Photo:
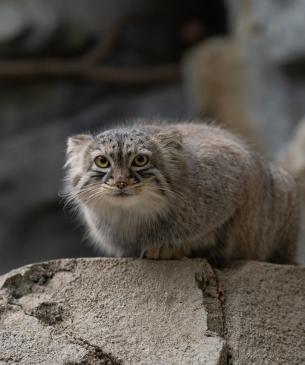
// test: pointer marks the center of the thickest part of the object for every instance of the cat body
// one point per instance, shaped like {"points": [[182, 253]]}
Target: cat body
{"points": [[186, 189]]}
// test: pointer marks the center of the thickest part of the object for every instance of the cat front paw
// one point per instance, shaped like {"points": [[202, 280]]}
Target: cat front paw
{"points": [[164, 253]]}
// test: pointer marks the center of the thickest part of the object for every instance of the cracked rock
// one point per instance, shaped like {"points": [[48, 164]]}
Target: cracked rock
{"points": [[264, 313], [112, 312], [123, 311]]}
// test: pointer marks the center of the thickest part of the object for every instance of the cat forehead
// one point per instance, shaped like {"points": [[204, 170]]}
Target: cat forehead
{"points": [[122, 137]]}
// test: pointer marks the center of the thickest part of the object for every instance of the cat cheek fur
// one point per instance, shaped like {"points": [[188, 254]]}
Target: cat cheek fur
{"points": [[76, 143], [76, 156]]}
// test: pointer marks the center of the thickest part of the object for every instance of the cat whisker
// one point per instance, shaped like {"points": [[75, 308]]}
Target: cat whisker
{"points": [[171, 192]]}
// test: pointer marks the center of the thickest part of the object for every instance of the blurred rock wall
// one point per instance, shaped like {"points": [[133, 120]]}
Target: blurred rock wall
{"points": [[254, 80], [36, 26]]}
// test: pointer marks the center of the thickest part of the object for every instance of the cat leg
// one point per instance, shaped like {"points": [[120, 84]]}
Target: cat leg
{"points": [[165, 253], [152, 253]]}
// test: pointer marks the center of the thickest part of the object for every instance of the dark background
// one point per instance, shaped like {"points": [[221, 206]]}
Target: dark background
{"points": [[40, 108]]}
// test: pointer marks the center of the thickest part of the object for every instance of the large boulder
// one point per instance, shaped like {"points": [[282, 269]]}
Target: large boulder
{"points": [[264, 313], [124, 311], [110, 312]]}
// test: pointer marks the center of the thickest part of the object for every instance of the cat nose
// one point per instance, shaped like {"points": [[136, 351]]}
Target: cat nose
{"points": [[121, 184]]}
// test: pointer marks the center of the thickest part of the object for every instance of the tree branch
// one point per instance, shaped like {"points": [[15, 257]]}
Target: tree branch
{"points": [[56, 68], [87, 67]]}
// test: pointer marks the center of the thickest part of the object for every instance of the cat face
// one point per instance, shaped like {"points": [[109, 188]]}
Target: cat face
{"points": [[123, 167]]}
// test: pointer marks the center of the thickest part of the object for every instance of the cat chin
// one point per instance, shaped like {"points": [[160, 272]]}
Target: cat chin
{"points": [[145, 203], [124, 200]]}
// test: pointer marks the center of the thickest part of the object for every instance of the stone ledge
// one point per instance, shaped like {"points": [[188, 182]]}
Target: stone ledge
{"points": [[264, 313], [124, 311]]}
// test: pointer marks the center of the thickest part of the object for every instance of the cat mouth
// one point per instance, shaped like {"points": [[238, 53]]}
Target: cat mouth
{"points": [[127, 191], [123, 193]]}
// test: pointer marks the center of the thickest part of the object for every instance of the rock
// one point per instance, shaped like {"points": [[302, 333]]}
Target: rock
{"points": [[124, 311], [111, 311], [264, 313]]}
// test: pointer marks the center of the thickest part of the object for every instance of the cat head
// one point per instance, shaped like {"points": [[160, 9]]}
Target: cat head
{"points": [[125, 167]]}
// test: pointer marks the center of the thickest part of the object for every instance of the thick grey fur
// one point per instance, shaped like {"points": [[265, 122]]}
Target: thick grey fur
{"points": [[206, 193]]}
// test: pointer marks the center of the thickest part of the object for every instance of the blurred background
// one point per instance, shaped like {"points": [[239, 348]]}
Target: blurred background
{"points": [[69, 66]]}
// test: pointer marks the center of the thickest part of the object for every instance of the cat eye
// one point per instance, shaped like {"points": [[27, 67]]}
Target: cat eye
{"points": [[140, 161], [101, 162]]}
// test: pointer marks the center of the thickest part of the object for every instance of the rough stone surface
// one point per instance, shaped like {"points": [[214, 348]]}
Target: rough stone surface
{"points": [[124, 311], [264, 313], [111, 311]]}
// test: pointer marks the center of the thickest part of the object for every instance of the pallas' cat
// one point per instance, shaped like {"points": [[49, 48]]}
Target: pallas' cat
{"points": [[174, 190]]}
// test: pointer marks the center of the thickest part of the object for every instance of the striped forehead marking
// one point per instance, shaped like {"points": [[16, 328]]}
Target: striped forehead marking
{"points": [[121, 144]]}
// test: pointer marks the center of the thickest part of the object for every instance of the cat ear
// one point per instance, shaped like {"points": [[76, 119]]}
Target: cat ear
{"points": [[170, 139], [77, 142]]}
